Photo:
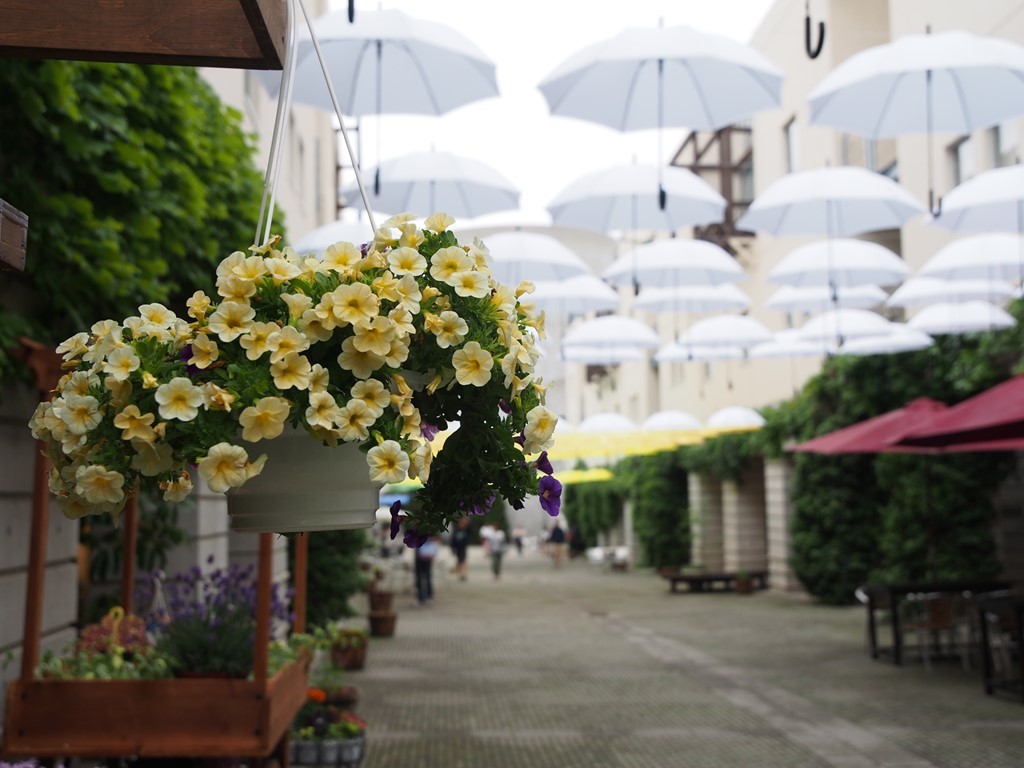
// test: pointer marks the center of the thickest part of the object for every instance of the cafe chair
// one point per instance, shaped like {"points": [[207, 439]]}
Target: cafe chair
{"points": [[936, 617], [1002, 649]]}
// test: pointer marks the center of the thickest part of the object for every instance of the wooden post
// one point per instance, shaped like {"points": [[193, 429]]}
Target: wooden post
{"points": [[13, 237], [130, 518], [262, 639], [299, 581]]}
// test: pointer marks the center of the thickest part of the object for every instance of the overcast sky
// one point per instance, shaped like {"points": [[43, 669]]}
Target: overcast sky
{"points": [[515, 132]]}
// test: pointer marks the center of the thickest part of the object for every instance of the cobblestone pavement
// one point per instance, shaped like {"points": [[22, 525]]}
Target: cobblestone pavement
{"points": [[587, 667]]}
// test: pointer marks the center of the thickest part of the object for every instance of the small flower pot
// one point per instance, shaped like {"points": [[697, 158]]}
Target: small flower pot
{"points": [[349, 658], [307, 752], [351, 751], [345, 697], [382, 623], [329, 751], [381, 600]]}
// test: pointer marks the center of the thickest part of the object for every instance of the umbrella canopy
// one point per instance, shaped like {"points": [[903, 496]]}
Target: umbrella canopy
{"points": [[627, 197], [675, 262], [839, 263], [734, 417], [589, 355], [573, 296], [992, 201], [316, 241], [991, 257], [992, 420], [922, 291], [878, 434], [953, 82], [725, 331], [900, 339], [947, 318], [426, 182], [670, 421], [607, 422], [842, 325], [818, 298], [611, 331], [388, 62], [674, 352], [838, 202], [695, 299], [786, 344], [664, 76], [517, 256]]}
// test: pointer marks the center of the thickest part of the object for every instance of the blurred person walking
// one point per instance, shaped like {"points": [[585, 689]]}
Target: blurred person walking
{"points": [[498, 543], [425, 554], [460, 547], [556, 544]]}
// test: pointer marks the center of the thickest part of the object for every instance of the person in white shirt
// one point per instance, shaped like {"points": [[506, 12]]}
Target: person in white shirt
{"points": [[498, 543]]}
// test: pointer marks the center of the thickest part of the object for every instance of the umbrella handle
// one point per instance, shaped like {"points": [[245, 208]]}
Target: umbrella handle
{"points": [[351, 11], [813, 50]]}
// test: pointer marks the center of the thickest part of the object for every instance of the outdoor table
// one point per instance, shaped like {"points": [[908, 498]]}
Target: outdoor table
{"points": [[1011, 605], [889, 594]]}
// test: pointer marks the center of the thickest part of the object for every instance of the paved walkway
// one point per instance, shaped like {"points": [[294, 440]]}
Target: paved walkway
{"points": [[586, 667]]}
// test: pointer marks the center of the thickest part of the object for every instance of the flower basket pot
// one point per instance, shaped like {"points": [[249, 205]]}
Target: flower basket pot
{"points": [[349, 658], [743, 585], [305, 486], [307, 752], [382, 623], [381, 600], [351, 751], [329, 751], [345, 697]]}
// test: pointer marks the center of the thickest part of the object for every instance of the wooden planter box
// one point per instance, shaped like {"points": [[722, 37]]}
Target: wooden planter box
{"points": [[209, 717]]}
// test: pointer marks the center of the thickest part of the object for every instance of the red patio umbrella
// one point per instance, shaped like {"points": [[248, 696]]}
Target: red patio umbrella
{"points": [[879, 434]]}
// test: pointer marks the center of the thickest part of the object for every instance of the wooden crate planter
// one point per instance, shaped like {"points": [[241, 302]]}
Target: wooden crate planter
{"points": [[209, 717]]}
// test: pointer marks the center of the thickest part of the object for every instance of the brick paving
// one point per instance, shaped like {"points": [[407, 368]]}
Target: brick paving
{"points": [[587, 667]]}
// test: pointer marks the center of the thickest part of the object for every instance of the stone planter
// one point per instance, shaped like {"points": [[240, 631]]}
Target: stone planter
{"points": [[382, 623], [307, 752], [351, 751]]}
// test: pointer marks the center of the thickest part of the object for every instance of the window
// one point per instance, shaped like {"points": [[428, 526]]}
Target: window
{"points": [[743, 192], [962, 157], [1005, 138], [792, 131]]}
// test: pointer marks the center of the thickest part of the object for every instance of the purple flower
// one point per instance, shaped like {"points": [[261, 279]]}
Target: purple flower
{"points": [[186, 355], [429, 431], [521, 439], [550, 492], [543, 464], [414, 539], [396, 522], [517, 504], [504, 406]]}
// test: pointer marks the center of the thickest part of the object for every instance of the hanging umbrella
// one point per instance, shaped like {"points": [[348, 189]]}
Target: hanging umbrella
{"points": [[611, 331], [516, 256], [952, 82], [425, 182], [922, 291], [725, 331], [694, 299], [900, 339], [316, 241], [992, 201], [836, 202], [606, 422], [991, 257], [786, 344], [839, 263], [733, 418], [840, 325], [818, 298], [675, 262], [573, 296], [670, 421], [674, 352], [947, 318], [991, 420], [626, 197], [588, 355]]}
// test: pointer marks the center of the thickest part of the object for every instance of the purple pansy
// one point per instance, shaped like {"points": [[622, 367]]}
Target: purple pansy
{"points": [[396, 521], [543, 464], [520, 439], [414, 539], [186, 355], [550, 493]]}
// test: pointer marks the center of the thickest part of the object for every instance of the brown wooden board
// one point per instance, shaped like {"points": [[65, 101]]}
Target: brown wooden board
{"points": [[13, 236], [245, 34]]}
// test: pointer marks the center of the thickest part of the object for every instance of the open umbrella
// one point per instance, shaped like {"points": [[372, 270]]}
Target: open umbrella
{"points": [[573, 296], [839, 264], [675, 262], [725, 331], [425, 182], [992, 201], [611, 331], [594, 355], [841, 325], [946, 318], [900, 339], [674, 352], [922, 291], [626, 197], [696, 299], [985, 257], [786, 344], [670, 421], [990, 421], [818, 298], [317, 240], [734, 418], [516, 256]]}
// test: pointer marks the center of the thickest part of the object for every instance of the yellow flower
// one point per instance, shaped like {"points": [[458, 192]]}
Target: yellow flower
{"points": [[322, 410], [388, 462], [314, 328], [285, 341], [204, 351], [539, 430], [227, 266], [74, 346], [438, 222], [407, 261], [291, 371], [235, 289], [151, 459], [198, 304], [216, 398], [447, 262], [479, 254], [297, 304], [80, 413], [75, 507], [319, 378], [411, 236], [353, 421], [224, 467], [134, 424], [265, 420], [254, 341], [525, 287], [355, 303], [386, 287], [430, 292], [374, 336], [398, 353], [402, 318], [373, 394], [409, 295], [249, 268], [178, 489], [450, 329], [362, 364], [281, 270], [411, 424], [231, 319], [473, 365], [398, 220], [149, 381], [422, 456], [341, 256], [470, 283], [80, 382], [98, 485], [157, 314], [179, 399]]}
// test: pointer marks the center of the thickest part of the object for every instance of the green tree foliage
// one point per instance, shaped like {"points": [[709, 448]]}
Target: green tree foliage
{"points": [[333, 573], [592, 508], [137, 182], [658, 488]]}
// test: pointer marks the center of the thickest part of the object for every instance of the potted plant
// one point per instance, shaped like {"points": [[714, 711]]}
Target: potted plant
{"points": [[743, 583], [350, 729], [371, 351], [306, 745], [348, 647]]}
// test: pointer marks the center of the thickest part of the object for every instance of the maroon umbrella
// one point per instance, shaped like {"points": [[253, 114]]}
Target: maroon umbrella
{"points": [[879, 434]]}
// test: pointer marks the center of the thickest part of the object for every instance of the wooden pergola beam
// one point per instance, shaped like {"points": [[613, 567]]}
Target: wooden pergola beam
{"points": [[13, 237]]}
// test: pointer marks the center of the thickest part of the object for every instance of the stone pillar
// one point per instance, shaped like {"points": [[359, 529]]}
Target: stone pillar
{"points": [[778, 481], [743, 521], [628, 536], [705, 498]]}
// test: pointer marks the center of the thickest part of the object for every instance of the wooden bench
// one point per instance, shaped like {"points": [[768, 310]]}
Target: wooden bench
{"points": [[711, 581]]}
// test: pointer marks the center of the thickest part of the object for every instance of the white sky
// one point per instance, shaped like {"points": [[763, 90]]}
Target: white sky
{"points": [[527, 39]]}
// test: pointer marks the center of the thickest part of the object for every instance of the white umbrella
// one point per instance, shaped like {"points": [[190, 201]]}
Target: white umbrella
{"points": [[663, 76], [516, 256], [611, 331], [726, 331], [675, 352], [606, 422], [573, 296], [589, 355], [316, 241], [922, 291], [842, 325], [692, 299], [675, 262], [786, 344], [992, 201], [735, 417], [900, 339], [839, 263], [425, 182], [627, 197], [837, 202], [967, 317], [670, 421], [992, 257], [818, 298]]}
